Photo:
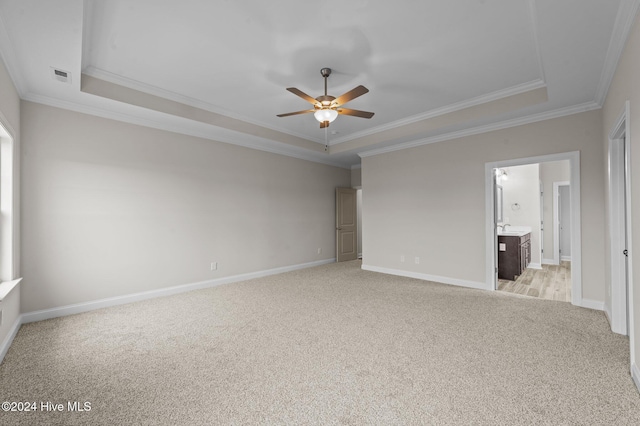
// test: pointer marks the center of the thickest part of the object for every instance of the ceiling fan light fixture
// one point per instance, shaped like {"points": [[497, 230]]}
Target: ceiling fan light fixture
{"points": [[325, 114]]}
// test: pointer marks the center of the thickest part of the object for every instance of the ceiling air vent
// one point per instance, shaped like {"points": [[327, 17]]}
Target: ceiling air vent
{"points": [[60, 75]]}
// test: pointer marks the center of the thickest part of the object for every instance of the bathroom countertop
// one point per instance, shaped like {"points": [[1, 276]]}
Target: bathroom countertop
{"points": [[515, 231]]}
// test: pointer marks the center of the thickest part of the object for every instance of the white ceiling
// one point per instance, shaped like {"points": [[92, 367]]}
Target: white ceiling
{"points": [[421, 60]]}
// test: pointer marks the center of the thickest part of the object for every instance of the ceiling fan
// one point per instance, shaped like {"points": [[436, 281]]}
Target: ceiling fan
{"points": [[327, 108]]}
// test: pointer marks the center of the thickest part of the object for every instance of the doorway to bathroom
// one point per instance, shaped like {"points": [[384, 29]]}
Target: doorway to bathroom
{"points": [[534, 208], [533, 233]]}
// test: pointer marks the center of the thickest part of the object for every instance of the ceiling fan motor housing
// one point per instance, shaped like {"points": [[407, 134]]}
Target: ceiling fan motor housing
{"points": [[325, 100]]}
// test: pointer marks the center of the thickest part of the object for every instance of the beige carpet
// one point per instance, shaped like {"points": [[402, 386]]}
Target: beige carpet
{"points": [[327, 345]]}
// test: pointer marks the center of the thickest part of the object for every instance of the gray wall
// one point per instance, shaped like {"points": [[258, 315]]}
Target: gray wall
{"points": [[429, 201], [112, 209]]}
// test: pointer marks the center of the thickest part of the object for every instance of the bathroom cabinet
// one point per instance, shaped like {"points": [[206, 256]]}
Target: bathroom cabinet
{"points": [[514, 254]]}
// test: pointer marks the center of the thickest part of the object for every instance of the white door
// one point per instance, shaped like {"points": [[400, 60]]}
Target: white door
{"points": [[541, 221], [564, 204], [618, 226]]}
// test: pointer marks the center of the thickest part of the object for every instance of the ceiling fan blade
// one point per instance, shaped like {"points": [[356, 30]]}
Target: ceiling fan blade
{"points": [[324, 124], [355, 112], [296, 113], [302, 95], [351, 94]]}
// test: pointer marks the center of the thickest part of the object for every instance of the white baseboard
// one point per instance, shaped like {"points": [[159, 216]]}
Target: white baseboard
{"points": [[565, 258], [9, 339], [607, 314], [591, 304], [121, 300], [549, 262], [427, 277], [534, 266], [635, 374]]}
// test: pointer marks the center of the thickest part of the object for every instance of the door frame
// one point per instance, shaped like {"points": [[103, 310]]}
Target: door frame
{"points": [[620, 310], [556, 220], [576, 236]]}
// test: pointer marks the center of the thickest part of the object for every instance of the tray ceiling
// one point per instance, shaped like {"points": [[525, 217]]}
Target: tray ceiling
{"points": [[219, 69]]}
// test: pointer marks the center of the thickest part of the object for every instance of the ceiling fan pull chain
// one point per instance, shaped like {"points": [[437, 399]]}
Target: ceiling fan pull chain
{"points": [[326, 138]]}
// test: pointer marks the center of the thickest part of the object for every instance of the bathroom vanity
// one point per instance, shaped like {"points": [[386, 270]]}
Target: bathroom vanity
{"points": [[514, 254]]}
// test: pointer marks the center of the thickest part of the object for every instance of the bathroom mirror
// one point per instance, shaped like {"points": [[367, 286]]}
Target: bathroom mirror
{"points": [[499, 217]]}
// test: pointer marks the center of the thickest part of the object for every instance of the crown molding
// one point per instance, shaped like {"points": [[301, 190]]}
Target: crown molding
{"points": [[186, 100], [534, 118], [493, 96], [217, 134], [621, 28]]}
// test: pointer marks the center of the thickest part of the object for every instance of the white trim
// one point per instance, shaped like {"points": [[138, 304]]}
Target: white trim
{"points": [[635, 374], [534, 266], [5, 128], [565, 258], [621, 267], [621, 28], [556, 219], [479, 100], [8, 204], [576, 236], [591, 304], [607, 313], [221, 135], [186, 100], [533, 118], [130, 298], [427, 277], [7, 286], [548, 262], [10, 336]]}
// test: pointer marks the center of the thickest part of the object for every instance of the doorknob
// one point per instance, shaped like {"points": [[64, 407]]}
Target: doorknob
{"points": [[338, 229]]}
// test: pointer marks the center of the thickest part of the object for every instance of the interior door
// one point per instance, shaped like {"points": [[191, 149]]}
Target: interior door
{"points": [[565, 222], [541, 220], [346, 225]]}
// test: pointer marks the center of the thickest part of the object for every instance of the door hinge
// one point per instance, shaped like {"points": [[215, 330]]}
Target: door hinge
{"points": [[625, 252]]}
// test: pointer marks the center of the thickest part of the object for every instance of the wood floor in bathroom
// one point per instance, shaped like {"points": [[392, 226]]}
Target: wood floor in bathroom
{"points": [[552, 282]]}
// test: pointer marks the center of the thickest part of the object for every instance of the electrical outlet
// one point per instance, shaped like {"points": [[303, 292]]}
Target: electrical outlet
{"points": [[319, 250], [214, 266], [417, 260], [402, 258]]}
